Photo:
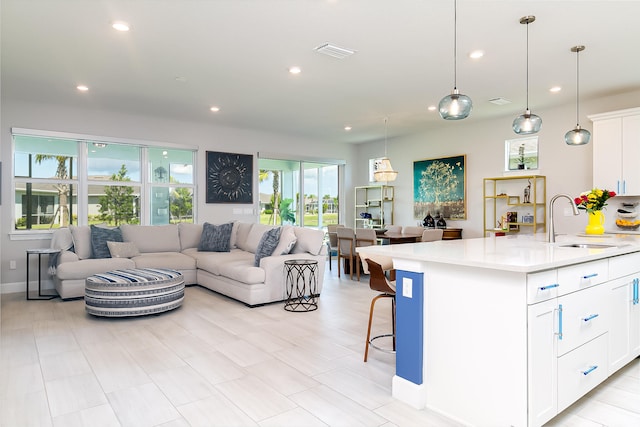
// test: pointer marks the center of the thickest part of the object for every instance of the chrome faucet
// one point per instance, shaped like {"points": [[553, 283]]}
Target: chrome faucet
{"points": [[552, 232]]}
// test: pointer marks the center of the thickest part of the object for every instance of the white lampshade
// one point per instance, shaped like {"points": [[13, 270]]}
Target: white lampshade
{"points": [[384, 171]]}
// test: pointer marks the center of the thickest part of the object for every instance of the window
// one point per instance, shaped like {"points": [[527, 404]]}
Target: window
{"points": [[283, 182], [61, 181]]}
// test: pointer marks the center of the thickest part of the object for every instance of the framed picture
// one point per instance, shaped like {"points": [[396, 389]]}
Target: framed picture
{"points": [[521, 154], [229, 177], [439, 187], [373, 167]]}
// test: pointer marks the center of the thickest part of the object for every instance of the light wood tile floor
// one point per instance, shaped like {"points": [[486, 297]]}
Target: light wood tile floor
{"points": [[215, 362]]}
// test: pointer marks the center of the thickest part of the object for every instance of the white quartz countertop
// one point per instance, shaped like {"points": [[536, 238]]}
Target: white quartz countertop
{"points": [[521, 253]]}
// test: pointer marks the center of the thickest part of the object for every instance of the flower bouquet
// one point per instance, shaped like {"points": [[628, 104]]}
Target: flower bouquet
{"points": [[594, 200]]}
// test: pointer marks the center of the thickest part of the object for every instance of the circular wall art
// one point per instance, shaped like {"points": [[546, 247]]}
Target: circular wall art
{"points": [[229, 177]]}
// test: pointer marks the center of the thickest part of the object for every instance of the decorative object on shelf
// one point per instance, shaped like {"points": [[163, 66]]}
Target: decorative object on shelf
{"points": [[455, 106], [521, 154], [527, 218], [594, 201], [527, 123], [439, 185], [577, 136], [428, 221], [626, 216], [383, 169], [229, 178], [440, 222], [527, 193]]}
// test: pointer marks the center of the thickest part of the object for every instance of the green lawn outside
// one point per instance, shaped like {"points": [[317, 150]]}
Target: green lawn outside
{"points": [[309, 220]]}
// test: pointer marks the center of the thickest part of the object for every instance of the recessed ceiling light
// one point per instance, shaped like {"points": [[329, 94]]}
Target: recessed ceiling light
{"points": [[82, 88], [555, 89], [431, 108], [181, 79], [215, 109], [120, 26], [347, 128], [476, 54], [295, 70]]}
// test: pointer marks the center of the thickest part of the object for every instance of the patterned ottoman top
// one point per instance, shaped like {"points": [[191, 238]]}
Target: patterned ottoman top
{"points": [[133, 277]]}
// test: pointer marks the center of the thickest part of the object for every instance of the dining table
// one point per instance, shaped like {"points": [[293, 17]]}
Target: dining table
{"points": [[400, 237]]}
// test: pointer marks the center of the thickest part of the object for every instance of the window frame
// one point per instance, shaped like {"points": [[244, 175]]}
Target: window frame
{"points": [[82, 180]]}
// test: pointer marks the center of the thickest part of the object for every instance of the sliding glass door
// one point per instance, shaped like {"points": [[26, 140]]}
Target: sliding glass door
{"points": [[298, 192]]}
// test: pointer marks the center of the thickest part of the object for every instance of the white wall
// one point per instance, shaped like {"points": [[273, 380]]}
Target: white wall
{"points": [[568, 169], [207, 137]]}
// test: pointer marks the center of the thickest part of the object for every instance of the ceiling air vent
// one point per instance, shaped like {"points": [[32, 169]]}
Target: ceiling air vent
{"points": [[334, 51], [500, 101]]}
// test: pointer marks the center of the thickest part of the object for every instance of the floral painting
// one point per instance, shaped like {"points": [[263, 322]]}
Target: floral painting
{"points": [[439, 187], [229, 177]]}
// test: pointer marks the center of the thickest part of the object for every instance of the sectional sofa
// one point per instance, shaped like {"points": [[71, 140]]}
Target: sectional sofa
{"points": [[227, 265]]}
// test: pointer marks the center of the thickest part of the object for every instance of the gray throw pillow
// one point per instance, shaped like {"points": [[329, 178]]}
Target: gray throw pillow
{"points": [[216, 238], [268, 244], [99, 238]]}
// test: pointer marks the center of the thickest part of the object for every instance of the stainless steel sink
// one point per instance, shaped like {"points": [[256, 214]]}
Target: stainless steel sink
{"points": [[588, 246]]}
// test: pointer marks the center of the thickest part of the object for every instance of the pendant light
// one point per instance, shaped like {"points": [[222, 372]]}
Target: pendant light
{"points": [[455, 106], [577, 136], [384, 170], [527, 123]]}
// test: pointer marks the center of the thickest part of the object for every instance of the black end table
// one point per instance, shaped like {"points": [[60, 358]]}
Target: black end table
{"points": [[302, 285]]}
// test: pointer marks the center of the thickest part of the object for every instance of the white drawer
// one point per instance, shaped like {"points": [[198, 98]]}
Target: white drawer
{"points": [[580, 276], [624, 265], [581, 370], [584, 317], [542, 286]]}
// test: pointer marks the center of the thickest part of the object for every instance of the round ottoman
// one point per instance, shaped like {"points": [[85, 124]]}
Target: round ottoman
{"points": [[134, 292]]}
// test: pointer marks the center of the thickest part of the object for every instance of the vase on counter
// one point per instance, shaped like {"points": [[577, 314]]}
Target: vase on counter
{"points": [[596, 223]]}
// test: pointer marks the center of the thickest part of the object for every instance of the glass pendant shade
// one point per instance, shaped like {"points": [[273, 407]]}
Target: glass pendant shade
{"points": [[455, 106], [384, 171], [577, 136], [527, 123]]}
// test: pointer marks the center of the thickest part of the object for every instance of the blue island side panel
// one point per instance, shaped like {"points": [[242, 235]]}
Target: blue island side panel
{"points": [[409, 325]]}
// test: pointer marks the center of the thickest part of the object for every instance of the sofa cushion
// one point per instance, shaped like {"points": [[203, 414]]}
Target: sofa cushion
{"points": [[122, 249], [87, 267], [213, 261], [268, 244], [244, 228], [81, 240], [216, 238], [189, 235], [152, 238], [287, 241], [243, 271], [99, 238], [173, 260], [254, 237], [309, 240]]}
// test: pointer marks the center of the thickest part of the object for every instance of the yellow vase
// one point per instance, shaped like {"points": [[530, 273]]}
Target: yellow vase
{"points": [[596, 223]]}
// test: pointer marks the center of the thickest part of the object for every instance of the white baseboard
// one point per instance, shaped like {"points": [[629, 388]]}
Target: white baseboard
{"points": [[11, 288]]}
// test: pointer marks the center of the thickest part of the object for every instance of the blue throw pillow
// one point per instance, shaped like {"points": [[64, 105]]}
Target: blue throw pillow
{"points": [[99, 238], [268, 244], [216, 238]]}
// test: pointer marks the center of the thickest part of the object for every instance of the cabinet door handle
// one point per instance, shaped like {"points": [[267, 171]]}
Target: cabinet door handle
{"points": [[635, 290], [592, 316], [589, 276], [624, 186], [618, 186], [591, 369], [560, 321], [544, 288]]}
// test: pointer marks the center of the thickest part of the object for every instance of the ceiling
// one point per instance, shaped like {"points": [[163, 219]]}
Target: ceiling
{"points": [[183, 56]]}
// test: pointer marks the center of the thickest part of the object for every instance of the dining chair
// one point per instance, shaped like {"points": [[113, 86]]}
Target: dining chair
{"points": [[432, 234], [379, 282], [394, 228], [332, 242], [413, 229], [347, 248], [364, 237]]}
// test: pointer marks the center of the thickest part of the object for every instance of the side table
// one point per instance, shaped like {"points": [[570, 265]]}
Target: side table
{"points": [[302, 285], [39, 252]]}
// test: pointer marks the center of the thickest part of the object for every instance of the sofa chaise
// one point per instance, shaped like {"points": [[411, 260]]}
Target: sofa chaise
{"points": [[246, 264]]}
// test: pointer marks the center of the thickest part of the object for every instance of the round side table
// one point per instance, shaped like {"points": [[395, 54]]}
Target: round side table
{"points": [[302, 285]]}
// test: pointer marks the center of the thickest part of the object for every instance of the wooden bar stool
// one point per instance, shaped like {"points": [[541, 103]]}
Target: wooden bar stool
{"points": [[378, 282]]}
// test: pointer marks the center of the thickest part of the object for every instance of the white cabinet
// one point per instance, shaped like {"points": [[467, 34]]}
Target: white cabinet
{"points": [[543, 363], [616, 150]]}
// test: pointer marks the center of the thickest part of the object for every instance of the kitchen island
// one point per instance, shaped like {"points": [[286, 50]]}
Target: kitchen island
{"points": [[512, 330]]}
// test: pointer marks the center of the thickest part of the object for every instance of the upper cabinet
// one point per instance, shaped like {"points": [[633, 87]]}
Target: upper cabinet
{"points": [[616, 150]]}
